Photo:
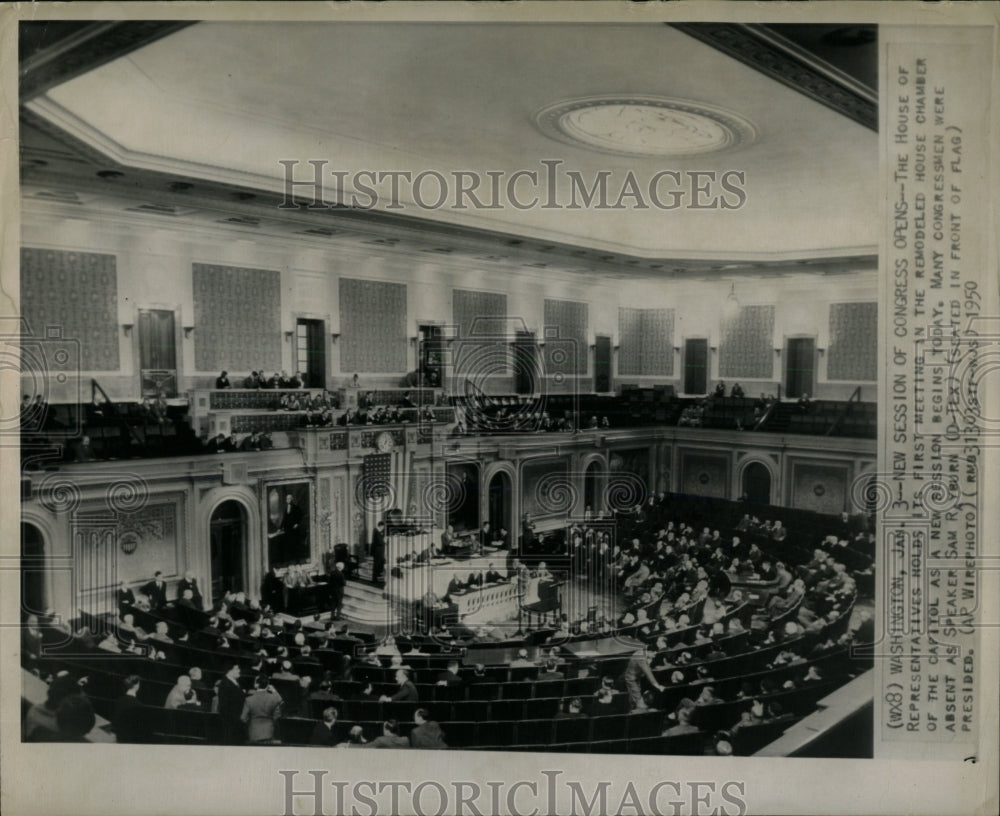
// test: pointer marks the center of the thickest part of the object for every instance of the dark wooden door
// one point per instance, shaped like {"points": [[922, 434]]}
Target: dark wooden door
{"points": [[310, 351], [800, 366], [226, 547], [158, 352], [602, 364], [696, 366]]}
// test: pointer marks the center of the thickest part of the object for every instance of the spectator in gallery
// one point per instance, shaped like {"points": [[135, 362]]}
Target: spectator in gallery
{"points": [[217, 444], [146, 411], [355, 382], [251, 442], [390, 737], [720, 389], [737, 390], [271, 382], [296, 380], [778, 532], [266, 443], [426, 733], [222, 381], [261, 712], [160, 408], [805, 403], [252, 380], [231, 445]]}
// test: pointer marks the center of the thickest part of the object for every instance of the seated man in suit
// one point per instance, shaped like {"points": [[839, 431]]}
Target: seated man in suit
{"points": [[455, 587], [83, 450], [156, 592], [406, 693], [253, 381], [551, 671], [451, 677], [322, 733], [492, 576], [189, 582], [222, 381]]}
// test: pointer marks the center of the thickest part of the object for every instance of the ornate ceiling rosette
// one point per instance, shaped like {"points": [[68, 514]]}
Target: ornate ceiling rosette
{"points": [[639, 125]]}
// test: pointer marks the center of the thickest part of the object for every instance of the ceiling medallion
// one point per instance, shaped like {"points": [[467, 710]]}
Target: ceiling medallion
{"points": [[645, 125]]}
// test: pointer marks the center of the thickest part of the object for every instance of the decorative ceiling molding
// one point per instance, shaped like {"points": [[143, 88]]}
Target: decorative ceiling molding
{"points": [[641, 125], [82, 169], [767, 51], [84, 48]]}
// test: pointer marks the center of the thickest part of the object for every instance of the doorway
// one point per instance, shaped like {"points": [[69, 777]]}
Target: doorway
{"points": [[602, 364], [593, 499], [696, 366], [310, 351], [756, 488], [227, 538], [431, 354], [33, 597], [800, 367], [499, 501], [157, 352]]}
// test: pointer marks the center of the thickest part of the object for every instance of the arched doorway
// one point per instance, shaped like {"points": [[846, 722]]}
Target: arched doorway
{"points": [[227, 543], [463, 496], [757, 483], [34, 600], [499, 492], [592, 493]]}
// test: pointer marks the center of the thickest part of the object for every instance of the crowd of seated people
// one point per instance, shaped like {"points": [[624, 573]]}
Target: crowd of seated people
{"points": [[260, 379], [713, 665], [385, 415], [511, 420]]}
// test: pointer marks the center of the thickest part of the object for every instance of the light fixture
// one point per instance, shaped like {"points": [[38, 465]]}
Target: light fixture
{"points": [[127, 328], [731, 306], [288, 336], [334, 336], [187, 332]]}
